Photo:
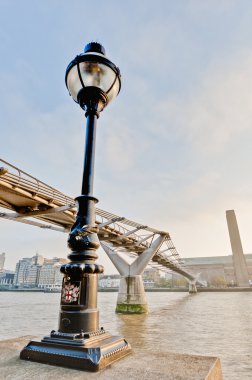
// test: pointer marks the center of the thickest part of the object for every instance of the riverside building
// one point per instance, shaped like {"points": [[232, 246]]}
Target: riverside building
{"points": [[38, 271], [235, 270], [6, 278], [27, 271], [112, 281], [50, 276], [217, 270], [151, 277]]}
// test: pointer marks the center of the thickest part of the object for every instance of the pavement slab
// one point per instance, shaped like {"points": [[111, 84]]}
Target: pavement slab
{"points": [[139, 366]]}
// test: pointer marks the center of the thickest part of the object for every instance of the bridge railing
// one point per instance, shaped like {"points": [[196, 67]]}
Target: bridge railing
{"points": [[16, 178]]}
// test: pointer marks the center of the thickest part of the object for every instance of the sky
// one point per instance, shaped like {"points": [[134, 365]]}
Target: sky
{"points": [[173, 149]]}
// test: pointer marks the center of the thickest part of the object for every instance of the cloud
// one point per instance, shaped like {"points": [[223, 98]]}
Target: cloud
{"points": [[199, 144], [213, 125], [223, 108], [119, 151], [219, 110]]}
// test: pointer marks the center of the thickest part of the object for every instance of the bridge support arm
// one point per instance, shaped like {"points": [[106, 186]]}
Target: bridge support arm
{"points": [[119, 262], [139, 265]]}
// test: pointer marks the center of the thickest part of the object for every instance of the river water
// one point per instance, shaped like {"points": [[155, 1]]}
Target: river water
{"points": [[214, 324]]}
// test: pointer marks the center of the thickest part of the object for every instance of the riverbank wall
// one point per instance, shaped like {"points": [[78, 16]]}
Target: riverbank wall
{"points": [[113, 290]]}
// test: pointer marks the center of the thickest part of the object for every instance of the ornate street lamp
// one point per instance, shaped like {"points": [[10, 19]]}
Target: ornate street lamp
{"points": [[93, 81]]}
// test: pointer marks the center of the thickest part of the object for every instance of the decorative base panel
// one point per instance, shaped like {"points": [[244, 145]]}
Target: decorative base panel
{"points": [[89, 352]]}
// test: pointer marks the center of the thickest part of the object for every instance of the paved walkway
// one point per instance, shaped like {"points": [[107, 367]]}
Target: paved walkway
{"points": [[139, 366]]}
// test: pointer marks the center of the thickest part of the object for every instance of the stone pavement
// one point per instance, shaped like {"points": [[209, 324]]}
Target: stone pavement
{"points": [[139, 366]]}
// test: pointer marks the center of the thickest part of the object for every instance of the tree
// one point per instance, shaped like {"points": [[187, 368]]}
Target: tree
{"points": [[218, 281]]}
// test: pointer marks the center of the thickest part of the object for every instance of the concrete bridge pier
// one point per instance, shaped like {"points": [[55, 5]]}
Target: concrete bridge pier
{"points": [[192, 287], [131, 296]]}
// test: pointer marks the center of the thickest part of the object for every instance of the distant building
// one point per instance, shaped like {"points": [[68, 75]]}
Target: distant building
{"points": [[151, 275], [168, 275], [38, 271], [235, 270], [50, 276], [148, 284], [27, 271], [38, 259], [6, 278], [112, 281], [216, 270], [2, 260]]}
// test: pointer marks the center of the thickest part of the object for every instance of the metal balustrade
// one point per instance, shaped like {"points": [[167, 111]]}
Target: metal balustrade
{"points": [[38, 204]]}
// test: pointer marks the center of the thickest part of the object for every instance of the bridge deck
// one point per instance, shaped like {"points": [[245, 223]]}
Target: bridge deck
{"points": [[36, 203]]}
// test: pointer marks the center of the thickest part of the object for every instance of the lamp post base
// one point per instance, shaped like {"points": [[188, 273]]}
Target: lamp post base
{"points": [[85, 351]]}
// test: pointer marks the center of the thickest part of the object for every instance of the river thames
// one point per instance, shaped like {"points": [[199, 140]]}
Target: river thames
{"points": [[214, 324]]}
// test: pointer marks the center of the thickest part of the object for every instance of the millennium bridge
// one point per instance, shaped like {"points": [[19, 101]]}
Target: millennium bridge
{"points": [[26, 199]]}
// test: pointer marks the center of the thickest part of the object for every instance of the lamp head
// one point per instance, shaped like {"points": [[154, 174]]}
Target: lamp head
{"points": [[91, 78]]}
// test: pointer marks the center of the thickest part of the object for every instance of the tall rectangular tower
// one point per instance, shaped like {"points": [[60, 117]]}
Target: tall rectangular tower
{"points": [[240, 265], [2, 260]]}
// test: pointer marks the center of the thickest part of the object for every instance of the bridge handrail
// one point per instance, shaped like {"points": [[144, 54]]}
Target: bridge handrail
{"points": [[36, 187]]}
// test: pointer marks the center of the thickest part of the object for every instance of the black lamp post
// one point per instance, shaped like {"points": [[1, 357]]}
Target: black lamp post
{"points": [[93, 81]]}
